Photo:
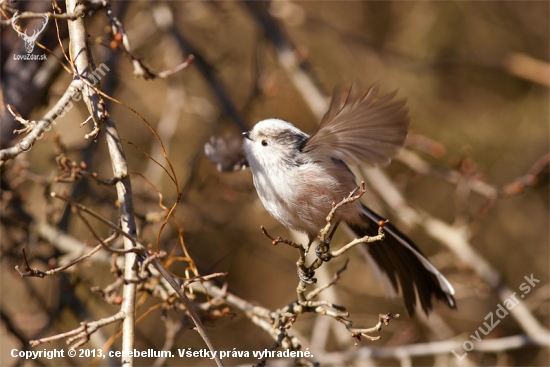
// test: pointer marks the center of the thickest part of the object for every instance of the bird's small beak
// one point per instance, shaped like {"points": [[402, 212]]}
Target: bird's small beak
{"points": [[246, 134]]}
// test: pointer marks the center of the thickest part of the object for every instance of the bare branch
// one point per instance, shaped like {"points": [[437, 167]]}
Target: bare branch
{"points": [[357, 241], [350, 199], [41, 274], [79, 11], [188, 305], [137, 247], [456, 239], [42, 125], [314, 293], [184, 65], [81, 59], [528, 68], [357, 333], [431, 349], [81, 335]]}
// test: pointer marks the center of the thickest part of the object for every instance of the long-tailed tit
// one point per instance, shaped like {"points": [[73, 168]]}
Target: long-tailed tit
{"points": [[299, 176]]}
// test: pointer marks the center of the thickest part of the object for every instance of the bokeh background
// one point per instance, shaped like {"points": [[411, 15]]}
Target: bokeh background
{"points": [[475, 75]]}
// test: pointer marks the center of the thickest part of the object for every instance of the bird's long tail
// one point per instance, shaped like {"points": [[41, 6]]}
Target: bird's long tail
{"points": [[405, 266]]}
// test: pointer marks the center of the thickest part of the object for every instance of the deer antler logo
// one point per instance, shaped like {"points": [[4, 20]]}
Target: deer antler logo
{"points": [[29, 40]]}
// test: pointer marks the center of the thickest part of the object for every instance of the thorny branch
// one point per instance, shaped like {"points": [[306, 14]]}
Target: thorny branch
{"points": [[433, 348], [277, 344], [35, 129], [122, 42], [356, 333], [134, 253], [148, 259], [81, 335], [79, 207], [30, 272], [314, 293], [278, 322], [259, 315], [73, 171], [323, 251], [475, 183], [284, 318], [78, 12], [454, 238]]}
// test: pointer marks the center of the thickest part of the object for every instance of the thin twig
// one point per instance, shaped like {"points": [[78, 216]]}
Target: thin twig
{"points": [[275, 345], [432, 348], [172, 329], [184, 65], [42, 125], [314, 293], [189, 306], [82, 334], [357, 333], [136, 246], [79, 11], [202, 278], [41, 274], [81, 59], [456, 239], [349, 199], [357, 241]]}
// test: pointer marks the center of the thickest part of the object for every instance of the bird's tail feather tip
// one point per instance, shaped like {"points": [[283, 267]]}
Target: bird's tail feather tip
{"points": [[408, 270]]}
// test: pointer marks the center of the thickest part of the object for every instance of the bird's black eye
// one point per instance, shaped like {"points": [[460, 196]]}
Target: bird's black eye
{"points": [[264, 142]]}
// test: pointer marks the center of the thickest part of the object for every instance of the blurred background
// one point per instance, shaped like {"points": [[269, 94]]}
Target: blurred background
{"points": [[475, 76]]}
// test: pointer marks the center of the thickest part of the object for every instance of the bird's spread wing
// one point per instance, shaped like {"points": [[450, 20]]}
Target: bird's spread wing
{"points": [[361, 128], [226, 153]]}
